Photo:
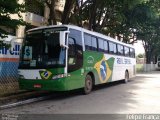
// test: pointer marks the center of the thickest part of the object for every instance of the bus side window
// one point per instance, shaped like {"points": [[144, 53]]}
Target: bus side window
{"points": [[132, 53], [71, 51], [120, 49], [94, 43], [88, 42], [115, 48], [106, 46], [126, 51], [112, 48], [101, 45]]}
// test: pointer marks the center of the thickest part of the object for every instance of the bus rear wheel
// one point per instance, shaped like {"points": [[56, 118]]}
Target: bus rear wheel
{"points": [[126, 77], [88, 84]]}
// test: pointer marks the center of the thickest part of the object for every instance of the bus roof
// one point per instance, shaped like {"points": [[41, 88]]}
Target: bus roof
{"points": [[84, 30]]}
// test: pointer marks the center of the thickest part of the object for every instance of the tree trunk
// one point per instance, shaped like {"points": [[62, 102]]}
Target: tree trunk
{"points": [[52, 19], [52, 16], [92, 20], [67, 11], [147, 57], [148, 53]]}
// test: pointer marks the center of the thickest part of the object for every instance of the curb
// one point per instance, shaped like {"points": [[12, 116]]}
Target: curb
{"points": [[20, 95]]}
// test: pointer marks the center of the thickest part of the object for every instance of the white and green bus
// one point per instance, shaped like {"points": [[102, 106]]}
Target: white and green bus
{"points": [[158, 62], [67, 57]]}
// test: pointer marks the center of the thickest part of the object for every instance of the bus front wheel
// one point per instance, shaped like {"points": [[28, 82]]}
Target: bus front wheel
{"points": [[88, 84], [126, 77]]}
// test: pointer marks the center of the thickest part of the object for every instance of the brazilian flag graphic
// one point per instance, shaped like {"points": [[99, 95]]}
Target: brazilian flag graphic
{"points": [[45, 74], [104, 68]]}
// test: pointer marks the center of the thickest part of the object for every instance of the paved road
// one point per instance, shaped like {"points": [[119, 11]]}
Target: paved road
{"points": [[140, 95]]}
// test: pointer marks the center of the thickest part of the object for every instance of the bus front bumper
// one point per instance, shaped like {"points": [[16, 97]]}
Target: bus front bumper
{"points": [[47, 85]]}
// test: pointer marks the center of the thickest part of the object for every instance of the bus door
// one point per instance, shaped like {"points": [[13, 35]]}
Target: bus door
{"points": [[75, 57]]}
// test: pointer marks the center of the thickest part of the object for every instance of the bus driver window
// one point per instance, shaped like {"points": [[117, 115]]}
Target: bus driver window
{"points": [[71, 51]]}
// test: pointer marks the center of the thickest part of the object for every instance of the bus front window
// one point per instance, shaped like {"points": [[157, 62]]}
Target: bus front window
{"points": [[42, 49]]}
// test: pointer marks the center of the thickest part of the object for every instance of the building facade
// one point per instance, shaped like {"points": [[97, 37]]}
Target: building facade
{"points": [[37, 14]]}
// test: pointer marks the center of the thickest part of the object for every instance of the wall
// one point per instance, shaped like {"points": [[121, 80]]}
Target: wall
{"points": [[9, 60], [145, 67]]}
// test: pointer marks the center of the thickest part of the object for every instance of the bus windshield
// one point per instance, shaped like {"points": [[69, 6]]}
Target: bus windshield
{"points": [[41, 49]]}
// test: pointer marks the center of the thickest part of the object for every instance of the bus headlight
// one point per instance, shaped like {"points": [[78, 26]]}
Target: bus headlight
{"points": [[59, 76], [21, 76]]}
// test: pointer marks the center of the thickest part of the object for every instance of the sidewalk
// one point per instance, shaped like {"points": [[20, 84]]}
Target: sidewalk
{"points": [[20, 95]]}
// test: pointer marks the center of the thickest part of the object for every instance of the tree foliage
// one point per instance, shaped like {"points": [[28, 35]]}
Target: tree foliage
{"points": [[8, 7], [148, 30], [140, 55], [129, 20]]}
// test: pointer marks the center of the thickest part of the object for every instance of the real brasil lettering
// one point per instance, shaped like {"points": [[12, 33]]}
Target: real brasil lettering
{"points": [[123, 61]]}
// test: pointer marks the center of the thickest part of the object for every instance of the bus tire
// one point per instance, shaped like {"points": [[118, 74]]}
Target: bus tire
{"points": [[126, 78], [88, 84]]}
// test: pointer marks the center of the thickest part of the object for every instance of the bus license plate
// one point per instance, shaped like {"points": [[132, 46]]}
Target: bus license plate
{"points": [[37, 85]]}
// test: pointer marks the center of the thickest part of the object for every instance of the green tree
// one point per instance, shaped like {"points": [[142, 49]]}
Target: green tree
{"points": [[71, 14], [140, 55], [149, 34], [111, 17], [129, 20], [8, 7], [148, 29]]}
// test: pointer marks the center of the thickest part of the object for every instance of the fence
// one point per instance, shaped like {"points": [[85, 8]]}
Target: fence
{"points": [[145, 67], [8, 77], [9, 58]]}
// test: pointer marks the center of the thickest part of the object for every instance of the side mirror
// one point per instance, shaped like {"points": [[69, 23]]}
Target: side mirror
{"points": [[62, 37]]}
